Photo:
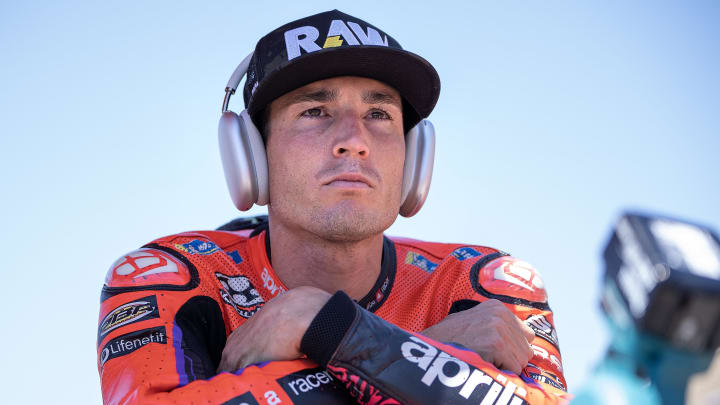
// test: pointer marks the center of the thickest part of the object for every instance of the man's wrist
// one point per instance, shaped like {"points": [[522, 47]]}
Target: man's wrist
{"points": [[328, 328]]}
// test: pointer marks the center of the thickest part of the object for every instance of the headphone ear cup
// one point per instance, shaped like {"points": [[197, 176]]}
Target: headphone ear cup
{"points": [[258, 157], [243, 157], [417, 173]]}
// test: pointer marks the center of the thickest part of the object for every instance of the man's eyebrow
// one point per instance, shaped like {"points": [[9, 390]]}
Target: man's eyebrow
{"points": [[379, 97], [319, 96]]}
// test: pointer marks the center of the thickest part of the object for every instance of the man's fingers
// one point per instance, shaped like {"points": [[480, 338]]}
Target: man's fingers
{"points": [[514, 350], [514, 363], [223, 366], [529, 336], [515, 367], [227, 363], [491, 330], [522, 351], [231, 363], [530, 353], [511, 367], [232, 359], [528, 332]]}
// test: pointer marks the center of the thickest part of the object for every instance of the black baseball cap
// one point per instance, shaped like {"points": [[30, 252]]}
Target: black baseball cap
{"points": [[333, 44]]}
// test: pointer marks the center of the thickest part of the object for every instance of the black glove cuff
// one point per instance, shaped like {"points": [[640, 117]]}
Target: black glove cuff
{"points": [[327, 330]]}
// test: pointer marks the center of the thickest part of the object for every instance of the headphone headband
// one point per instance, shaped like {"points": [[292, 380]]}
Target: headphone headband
{"points": [[235, 79]]}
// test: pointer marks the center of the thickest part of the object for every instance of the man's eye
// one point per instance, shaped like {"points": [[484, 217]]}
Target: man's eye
{"points": [[313, 112], [379, 115]]}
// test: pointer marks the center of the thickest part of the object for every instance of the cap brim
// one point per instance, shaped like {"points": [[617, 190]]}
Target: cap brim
{"points": [[411, 75]]}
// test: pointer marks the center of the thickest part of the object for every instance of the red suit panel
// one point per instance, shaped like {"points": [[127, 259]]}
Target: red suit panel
{"points": [[167, 309]]}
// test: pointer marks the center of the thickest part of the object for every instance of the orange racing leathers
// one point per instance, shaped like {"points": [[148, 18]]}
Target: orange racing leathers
{"points": [[167, 308]]}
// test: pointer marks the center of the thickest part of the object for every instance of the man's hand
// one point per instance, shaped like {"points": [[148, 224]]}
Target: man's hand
{"points": [[490, 330], [274, 332]]}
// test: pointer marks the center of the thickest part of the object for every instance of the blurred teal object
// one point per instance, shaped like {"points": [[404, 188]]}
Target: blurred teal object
{"points": [[661, 298]]}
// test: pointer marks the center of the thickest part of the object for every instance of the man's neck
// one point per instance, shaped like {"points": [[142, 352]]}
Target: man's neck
{"points": [[303, 259]]}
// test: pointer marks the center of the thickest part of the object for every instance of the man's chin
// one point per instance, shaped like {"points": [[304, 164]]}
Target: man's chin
{"points": [[350, 223]]}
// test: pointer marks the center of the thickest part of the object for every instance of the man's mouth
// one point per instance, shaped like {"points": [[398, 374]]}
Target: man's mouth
{"points": [[350, 180]]}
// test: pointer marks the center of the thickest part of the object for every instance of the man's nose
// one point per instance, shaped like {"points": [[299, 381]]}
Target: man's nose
{"points": [[351, 139]]}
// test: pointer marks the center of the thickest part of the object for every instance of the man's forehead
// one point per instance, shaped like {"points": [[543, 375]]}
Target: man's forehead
{"points": [[371, 91]]}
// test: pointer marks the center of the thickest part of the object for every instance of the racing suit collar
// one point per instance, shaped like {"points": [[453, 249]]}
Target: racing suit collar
{"points": [[384, 283]]}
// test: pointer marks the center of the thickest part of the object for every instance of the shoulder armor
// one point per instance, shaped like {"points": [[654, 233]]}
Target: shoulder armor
{"points": [[151, 268], [147, 266], [509, 280]]}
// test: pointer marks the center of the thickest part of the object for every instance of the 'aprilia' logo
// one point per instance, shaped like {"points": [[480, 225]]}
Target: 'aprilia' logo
{"points": [[306, 37], [453, 372]]}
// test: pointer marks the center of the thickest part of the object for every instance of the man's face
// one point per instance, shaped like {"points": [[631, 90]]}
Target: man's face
{"points": [[336, 150]]}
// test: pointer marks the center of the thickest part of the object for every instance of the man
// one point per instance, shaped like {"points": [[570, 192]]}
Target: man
{"points": [[348, 315]]}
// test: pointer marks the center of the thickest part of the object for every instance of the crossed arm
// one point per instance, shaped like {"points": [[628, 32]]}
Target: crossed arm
{"points": [[488, 329], [372, 359]]}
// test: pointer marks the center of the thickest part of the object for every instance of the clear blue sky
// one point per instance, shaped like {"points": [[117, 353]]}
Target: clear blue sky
{"points": [[553, 118]]}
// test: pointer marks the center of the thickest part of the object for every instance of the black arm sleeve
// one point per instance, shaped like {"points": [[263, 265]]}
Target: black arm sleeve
{"points": [[381, 363]]}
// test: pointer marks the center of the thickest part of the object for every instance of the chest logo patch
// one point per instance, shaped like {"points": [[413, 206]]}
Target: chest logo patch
{"points": [[465, 253], [270, 284], [541, 352], [198, 247], [543, 328], [239, 293], [125, 314], [418, 260], [126, 344]]}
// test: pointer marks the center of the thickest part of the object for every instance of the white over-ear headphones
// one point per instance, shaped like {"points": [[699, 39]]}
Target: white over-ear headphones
{"points": [[245, 164]]}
